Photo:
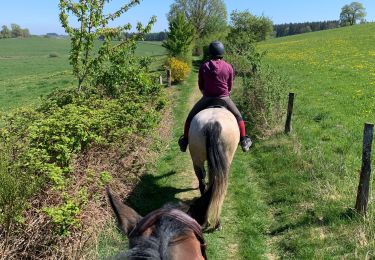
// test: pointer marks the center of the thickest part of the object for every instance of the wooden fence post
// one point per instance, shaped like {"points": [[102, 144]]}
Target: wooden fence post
{"points": [[161, 80], [169, 77], [289, 115], [364, 179]]}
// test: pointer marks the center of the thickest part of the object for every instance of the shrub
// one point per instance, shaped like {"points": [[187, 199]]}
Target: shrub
{"points": [[15, 189], [179, 69], [65, 215], [118, 98], [260, 98], [16, 186], [262, 90], [121, 73], [36, 146]]}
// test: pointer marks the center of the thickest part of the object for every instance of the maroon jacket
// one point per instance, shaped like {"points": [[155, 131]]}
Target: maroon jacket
{"points": [[215, 78]]}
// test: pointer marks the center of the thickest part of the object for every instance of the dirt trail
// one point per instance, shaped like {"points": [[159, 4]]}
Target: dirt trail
{"points": [[188, 176], [189, 171]]}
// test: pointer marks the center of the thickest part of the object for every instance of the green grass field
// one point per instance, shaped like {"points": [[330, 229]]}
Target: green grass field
{"points": [[311, 177], [27, 71]]}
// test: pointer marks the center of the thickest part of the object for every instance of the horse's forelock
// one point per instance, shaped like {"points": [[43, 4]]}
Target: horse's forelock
{"points": [[156, 245]]}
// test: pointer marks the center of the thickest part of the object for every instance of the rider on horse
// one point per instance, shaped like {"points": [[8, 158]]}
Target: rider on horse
{"points": [[215, 81]]}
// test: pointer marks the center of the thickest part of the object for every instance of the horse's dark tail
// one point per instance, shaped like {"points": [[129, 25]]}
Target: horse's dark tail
{"points": [[208, 206], [218, 167]]}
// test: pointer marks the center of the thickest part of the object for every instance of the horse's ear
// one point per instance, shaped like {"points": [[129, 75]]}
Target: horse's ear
{"points": [[127, 218]]}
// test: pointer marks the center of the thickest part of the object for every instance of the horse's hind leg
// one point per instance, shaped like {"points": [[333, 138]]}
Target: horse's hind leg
{"points": [[201, 175]]}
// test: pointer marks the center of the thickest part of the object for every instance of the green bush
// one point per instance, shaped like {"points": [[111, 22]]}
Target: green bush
{"points": [[15, 189], [260, 96], [37, 145], [119, 98], [260, 100], [65, 216]]}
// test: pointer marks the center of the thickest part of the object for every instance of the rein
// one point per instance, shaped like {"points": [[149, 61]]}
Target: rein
{"points": [[150, 220]]}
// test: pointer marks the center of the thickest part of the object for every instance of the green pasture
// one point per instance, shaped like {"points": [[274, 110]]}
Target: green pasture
{"points": [[27, 71], [311, 177]]}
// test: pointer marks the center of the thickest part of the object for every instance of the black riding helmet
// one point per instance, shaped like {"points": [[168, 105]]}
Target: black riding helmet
{"points": [[216, 50]]}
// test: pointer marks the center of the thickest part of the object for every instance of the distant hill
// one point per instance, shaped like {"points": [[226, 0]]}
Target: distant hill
{"points": [[55, 36]]}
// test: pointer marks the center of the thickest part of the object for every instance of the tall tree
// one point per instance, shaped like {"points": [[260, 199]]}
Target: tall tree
{"points": [[209, 18], [16, 30], [25, 33], [5, 32], [245, 30], [258, 27], [179, 37], [350, 14]]}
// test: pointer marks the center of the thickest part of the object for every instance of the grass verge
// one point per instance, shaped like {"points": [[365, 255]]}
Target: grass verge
{"points": [[311, 177]]}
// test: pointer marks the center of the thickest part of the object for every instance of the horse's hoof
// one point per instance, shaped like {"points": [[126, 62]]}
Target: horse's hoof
{"points": [[202, 189], [218, 227]]}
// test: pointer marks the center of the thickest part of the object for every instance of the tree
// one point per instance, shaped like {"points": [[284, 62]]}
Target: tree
{"points": [[84, 58], [245, 30], [16, 30], [5, 32], [258, 27], [350, 14], [209, 18], [179, 37], [25, 33]]}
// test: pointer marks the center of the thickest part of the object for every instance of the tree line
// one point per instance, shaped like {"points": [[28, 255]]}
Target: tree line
{"points": [[286, 29], [15, 31], [350, 15]]}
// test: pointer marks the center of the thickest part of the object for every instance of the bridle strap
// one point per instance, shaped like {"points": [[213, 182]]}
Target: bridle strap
{"points": [[149, 220]]}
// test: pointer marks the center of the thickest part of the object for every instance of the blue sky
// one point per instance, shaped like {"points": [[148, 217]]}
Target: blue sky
{"points": [[41, 16]]}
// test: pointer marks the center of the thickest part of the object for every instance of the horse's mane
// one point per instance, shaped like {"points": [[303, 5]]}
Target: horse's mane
{"points": [[156, 245], [145, 248]]}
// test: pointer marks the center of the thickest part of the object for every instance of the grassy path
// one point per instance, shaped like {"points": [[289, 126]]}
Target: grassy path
{"points": [[171, 178], [244, 216], [291, 196]]}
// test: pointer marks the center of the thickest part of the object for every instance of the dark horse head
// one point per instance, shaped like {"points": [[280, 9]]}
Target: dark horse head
{"points": [[166, 233]]}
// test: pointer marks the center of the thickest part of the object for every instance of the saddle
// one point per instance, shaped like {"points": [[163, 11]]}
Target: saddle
{"points": [[150, 220], [217, 102]]}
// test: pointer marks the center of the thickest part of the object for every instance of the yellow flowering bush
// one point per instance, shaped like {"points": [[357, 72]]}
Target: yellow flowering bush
{"points": [[179, 69]]}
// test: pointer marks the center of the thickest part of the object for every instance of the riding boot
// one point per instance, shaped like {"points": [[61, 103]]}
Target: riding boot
{"points": [[245, 142]]}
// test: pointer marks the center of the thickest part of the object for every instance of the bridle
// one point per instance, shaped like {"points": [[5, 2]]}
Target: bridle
{"points": [[149, 220]]}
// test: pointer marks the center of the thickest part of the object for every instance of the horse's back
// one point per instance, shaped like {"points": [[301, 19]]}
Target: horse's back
{"points": [[229, 132]]}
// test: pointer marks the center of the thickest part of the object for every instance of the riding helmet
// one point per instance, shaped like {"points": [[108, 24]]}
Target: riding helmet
{"points": [[216, 49]]}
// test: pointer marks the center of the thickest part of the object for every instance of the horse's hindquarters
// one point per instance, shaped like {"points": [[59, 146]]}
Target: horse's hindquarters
{"points": [[229, 136], [213, 137]]}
